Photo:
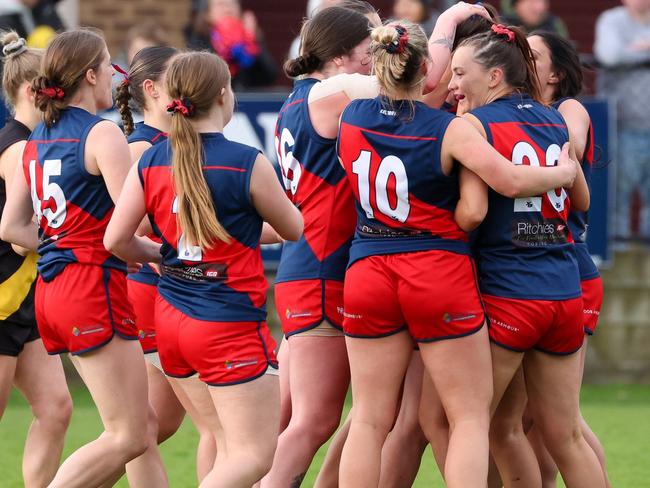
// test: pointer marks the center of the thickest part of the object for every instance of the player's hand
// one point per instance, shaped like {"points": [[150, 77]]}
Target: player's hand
{"points": [[132, 267], [568, 165], [463, 11]]}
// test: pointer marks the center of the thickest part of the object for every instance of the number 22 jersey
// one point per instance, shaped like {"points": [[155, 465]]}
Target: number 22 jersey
{"points": [[524, 246]]}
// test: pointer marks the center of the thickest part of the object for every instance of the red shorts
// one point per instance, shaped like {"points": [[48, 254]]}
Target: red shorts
{"points": [[552, 326], [592, 301], [143, 298], [432, 293], [82, 308], [222, 353], [304, 304]]}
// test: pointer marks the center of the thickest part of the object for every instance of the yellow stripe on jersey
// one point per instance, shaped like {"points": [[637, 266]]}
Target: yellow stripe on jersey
{"points": [[14, 289]]}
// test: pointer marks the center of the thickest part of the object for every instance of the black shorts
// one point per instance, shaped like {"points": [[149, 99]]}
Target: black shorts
{"points": [[14, 336]]}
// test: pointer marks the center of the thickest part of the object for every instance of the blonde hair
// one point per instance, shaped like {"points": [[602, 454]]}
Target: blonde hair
{"points": [[20, 64], [398, 51], [197, 80]]}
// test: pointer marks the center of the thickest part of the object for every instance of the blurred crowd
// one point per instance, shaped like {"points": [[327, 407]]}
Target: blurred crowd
{"points": [[621, 53]]}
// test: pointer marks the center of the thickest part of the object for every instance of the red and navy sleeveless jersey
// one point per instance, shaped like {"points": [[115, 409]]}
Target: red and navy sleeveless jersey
{"points": [[146, 133], [225, 283], [404, 201], [72, 206], [525, 248], [579, 221], [316, 183]]}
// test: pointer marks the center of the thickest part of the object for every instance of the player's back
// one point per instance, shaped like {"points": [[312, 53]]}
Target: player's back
{"points": [[525, 248], [404, 200], [72, 206], [315, 182], [225, 282]]}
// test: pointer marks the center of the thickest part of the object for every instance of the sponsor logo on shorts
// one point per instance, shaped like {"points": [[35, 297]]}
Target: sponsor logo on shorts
{"points": [[352, 315], [295, 315], [503, 325], [141, 334], [240, 363], [88, 329], [448, 317], [588, 311], [128, 321]]}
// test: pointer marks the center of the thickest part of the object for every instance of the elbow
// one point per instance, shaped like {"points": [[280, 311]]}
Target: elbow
{"points": [[5, 232], [512, 189], [468, 220], [294, 232], [581, 204], [112, 244]]}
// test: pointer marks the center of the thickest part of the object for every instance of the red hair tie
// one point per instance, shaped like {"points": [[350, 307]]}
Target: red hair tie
{"points": [[502, 30], [398, 46], [55, 93], [182, 106], [117, 68]]}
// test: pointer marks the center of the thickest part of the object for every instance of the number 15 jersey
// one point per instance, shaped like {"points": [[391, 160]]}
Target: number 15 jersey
{"points": [[524, 245]]}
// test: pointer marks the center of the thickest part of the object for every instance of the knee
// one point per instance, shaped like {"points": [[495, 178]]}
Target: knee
{"points": [[258, 460], [131, 444], [318, 427], [434, 424], [559, 437], [504, 431], [55, 411]]}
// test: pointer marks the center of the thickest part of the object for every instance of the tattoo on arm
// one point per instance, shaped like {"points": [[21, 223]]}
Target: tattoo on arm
{"points": [[297, 481], [447, 41]]}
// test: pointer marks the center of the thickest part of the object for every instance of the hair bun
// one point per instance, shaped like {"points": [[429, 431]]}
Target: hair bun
{"points": [[14, 48]]}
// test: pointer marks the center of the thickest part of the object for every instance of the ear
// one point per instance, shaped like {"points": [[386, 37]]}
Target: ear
{"points": [[149, 88], [495, 77], [554, 78], [28, 92], [222, 96], [91, 77], [338, 61]]}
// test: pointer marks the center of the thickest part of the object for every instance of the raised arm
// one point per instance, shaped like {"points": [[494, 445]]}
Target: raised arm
{"points": [[272, 203], [466, 144], [578, 122]]}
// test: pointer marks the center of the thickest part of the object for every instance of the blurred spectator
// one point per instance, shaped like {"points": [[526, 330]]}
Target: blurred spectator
{"points": [[143, 35], [532, 15], [417, 11], [235, 36], [622, 47], [24, 16]]}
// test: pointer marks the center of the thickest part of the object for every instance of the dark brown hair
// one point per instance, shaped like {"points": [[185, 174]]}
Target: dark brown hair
{"points": [[66, 61], [566, 63], [198, 80], [149, 64], [476, 24], [514, 57], [332, 32]]}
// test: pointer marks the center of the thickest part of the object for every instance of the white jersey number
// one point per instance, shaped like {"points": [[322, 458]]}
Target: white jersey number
{"points": [[185, 252], [390, 165], [50, 190], [521, 152], [291, 169]]}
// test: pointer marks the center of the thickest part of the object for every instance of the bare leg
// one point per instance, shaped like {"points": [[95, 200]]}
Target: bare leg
{"points": [[169, 411], [434, 421], [250, 438], [319, 377], [460, 369], [403, 449], [547, 466], [41, 380], [509, 446], [285, 386], [553, 384], [377, 367], [328, 476], [195, 397], [115, 375], [7, 373]]}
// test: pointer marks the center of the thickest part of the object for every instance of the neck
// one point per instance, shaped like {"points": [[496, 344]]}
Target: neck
{"points": [[498, 92], [548, 94], [84, 99], [207, 124], [27, 116], [413, 94], [157, 120]]}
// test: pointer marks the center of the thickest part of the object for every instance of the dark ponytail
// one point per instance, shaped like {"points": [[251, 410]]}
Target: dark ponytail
{"points": [[507, 48], [148, 64]]}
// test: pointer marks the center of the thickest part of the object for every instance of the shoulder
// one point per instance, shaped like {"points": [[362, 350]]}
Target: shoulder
{"points": [[614, 15], [106, 131]]}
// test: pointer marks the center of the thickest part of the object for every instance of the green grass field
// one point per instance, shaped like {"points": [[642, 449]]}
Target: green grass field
{"points": [[620, 415]]}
